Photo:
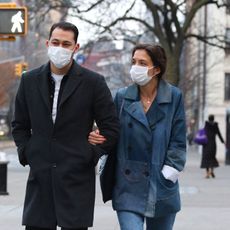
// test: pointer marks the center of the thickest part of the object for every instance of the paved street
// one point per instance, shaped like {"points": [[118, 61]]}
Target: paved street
{"points": [[205, 202]]}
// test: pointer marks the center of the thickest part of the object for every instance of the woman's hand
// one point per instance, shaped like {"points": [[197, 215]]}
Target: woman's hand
{"points": [[95, 138]]}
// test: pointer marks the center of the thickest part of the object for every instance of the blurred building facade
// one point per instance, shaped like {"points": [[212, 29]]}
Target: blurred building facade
{"points": [[109, 58], [208, 71]]}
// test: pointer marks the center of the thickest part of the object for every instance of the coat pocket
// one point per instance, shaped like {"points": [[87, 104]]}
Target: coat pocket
{"points": [[132, 185], [165, 188], [132, 177], [134, 171]]}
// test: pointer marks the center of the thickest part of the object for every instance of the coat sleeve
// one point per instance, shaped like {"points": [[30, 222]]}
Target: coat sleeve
{"points": [[219, 134], [21, 127], [119, 101], [105, 117], [176, 152]]}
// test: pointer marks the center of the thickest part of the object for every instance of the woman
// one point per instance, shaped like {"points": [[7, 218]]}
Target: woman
{"points": [[209, 161], [152, 145]]}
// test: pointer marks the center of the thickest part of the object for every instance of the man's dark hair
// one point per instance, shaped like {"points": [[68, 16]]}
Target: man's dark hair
{"points": [[67, 26], [157, 55]]}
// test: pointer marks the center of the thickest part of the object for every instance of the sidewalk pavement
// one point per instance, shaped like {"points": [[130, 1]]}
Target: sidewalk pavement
{"points": [[6, 144], [205, 202]]}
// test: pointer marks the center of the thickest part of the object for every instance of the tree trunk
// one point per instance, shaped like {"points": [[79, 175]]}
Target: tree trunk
{"points": [[172, 74]]}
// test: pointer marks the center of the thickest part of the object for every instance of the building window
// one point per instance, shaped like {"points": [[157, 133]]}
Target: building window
{"points": [[228, 7], [227, 87], [227, 40]]}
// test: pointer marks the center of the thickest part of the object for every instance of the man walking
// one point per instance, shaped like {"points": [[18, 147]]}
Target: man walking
{"points": [[55, 108]]}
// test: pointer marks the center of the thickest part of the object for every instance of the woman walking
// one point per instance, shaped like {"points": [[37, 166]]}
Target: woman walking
{"points": [[152, 145], [209, 161]]}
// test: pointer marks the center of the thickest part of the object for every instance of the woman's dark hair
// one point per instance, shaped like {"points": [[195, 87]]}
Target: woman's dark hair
{"points": [[157, 55], [67, 26], [211, 117]]}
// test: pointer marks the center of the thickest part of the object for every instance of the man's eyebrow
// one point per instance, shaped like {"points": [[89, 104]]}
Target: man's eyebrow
{"points": [[55, 39], [67, 42]]}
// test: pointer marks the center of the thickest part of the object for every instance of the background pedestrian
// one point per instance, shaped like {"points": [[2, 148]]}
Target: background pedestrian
{"points": [[209, 161]]}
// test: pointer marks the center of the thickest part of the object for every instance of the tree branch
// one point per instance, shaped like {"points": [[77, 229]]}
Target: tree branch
{"points": [[126, 19], [207, 39], [174, 9], [195, 7], [154, 8], [97, 3]]}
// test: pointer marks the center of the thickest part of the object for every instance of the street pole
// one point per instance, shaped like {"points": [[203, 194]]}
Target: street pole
{"points": [[204, 64], [227, 157]]}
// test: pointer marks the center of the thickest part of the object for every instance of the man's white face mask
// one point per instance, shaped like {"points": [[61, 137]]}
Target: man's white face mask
{"points": [[59, 56], [139, 74]]}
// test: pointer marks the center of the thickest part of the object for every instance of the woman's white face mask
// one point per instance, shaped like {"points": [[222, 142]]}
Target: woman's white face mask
{"points": [[59, 56], [139, 74]]}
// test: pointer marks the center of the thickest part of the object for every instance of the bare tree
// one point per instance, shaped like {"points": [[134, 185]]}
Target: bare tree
{"points": [[167, 20]]}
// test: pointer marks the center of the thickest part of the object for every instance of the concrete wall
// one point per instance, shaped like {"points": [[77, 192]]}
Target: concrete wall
{"points": [[217, 66]]}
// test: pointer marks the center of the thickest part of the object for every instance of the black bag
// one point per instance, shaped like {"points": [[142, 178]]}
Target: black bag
{"points": [[108, 170], [107, 176]]}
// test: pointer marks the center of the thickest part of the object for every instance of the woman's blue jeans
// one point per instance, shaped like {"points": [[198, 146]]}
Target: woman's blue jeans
{"points": [[131, 221]]}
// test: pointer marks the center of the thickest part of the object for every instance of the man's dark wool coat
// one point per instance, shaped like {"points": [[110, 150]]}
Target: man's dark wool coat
{"points": [[61, 183]]}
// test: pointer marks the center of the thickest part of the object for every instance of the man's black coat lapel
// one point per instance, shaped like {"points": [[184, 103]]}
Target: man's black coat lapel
{"points": [[74, 80], [43, 84]]}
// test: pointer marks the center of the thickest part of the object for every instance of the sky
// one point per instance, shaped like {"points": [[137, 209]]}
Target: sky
{"points": [[89, 32]]}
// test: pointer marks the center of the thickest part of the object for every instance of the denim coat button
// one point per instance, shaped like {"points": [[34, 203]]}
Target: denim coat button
{"points": [[130, 125], [146, 173], [127, 171]]}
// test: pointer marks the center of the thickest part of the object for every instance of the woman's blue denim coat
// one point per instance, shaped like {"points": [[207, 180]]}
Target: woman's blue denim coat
{"points": [[159, 141]]}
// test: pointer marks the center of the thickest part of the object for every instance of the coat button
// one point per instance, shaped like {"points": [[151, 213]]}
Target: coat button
{"points": [[127, 171], [149, 150], [129, 148], [54, 166], [130, 125], [146, 173]]}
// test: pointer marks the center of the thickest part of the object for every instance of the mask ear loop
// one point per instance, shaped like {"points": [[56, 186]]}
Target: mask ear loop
{"points": [[155, 67], [151, 68]]}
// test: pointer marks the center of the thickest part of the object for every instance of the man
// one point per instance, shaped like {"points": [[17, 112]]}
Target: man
{"points": [[55, 108]]}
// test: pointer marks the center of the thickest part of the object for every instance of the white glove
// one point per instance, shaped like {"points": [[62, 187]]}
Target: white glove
{"points": [[170, 173]]}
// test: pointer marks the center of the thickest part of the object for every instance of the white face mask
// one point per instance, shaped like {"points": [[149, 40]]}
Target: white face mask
{"points": [[59, 56], [139, 74]]}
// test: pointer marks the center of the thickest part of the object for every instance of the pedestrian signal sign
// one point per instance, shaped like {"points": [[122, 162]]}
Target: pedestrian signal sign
{"points": [[13, 21], [18, 69], [24, 67]]}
